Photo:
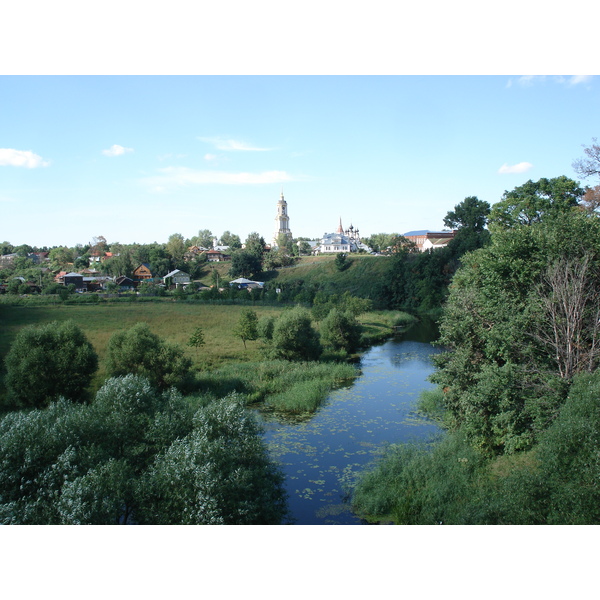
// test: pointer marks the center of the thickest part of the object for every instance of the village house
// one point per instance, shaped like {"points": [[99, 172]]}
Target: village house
{"points": [[176, 278], [143, 273], [216, 256], [430, 240]]}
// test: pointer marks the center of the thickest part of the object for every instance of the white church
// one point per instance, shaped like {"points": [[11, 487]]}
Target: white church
{"points": [[341, 241]]}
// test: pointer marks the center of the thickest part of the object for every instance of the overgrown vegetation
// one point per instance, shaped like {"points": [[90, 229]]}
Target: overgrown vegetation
{"points": [[136, 455], [519, 386]]}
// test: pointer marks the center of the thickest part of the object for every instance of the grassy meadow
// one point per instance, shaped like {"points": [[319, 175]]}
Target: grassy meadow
{"points": [[223, 355], [358, 278]]}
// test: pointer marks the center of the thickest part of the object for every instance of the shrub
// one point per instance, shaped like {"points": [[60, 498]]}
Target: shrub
{"points": [[47, 361], [294, 337], [141, 352], [341, 331]]}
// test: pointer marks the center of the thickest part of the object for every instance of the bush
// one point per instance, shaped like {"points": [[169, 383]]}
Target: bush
{"points": [[341, 331], [294, 337], [141, 352], [47, 361]]}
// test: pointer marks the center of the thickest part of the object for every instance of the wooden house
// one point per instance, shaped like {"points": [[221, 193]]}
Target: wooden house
{"points": [[143, 273]]}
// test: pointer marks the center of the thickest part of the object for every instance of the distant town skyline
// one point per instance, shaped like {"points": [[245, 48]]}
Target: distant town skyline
{"points": [[138, 158]]}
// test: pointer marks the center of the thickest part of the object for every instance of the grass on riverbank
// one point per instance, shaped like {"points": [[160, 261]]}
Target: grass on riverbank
{"points": [[293, 386]]}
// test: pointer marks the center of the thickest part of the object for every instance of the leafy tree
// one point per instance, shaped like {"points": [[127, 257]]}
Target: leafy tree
{"points": [[255, 244], [470, 213], [380, 242], [46, 361], [6, 248], [304, 248], [141, 352], [533, 201], [294, 337], [204, 239], [220, 473], [61, 256], [231, 239], [197, 338], [247, 327], [519, 322], [341, 261], [137, 456], [176, 248], [341, 331], [244, 264], [265, 327]]}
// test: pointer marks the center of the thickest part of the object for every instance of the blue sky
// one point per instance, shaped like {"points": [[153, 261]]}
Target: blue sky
{"points": [[138, 158]]}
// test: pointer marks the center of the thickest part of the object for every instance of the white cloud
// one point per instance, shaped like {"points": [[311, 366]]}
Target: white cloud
{"points": [[577, 79], [521, 167], [569, 80], [226, 144], [210, 156], [116, 150], [21, 158], [182, 176]]}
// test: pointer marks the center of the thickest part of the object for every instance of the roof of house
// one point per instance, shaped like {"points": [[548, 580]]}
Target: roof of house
{"points": [[175, 272]]}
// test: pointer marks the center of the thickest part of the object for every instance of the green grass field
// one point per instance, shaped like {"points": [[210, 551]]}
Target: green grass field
{"points": [[173, 321], [360, 279]]}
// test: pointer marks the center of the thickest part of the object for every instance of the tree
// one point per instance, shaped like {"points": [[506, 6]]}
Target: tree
{"points": [[61, 256], [244, 264], [380, 242], [341, 331], [591, 199], [341, 261], [294, 337], [141, 352], [590, 166], [265, 327], [197, 338], [470, 213], [231, 239], [520, 320], [204, 239], [247, 327], [533, 201], [176, 247], [220, 473], [47, 361], [255, 244]]}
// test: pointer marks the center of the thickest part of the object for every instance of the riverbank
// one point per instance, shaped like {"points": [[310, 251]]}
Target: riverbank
{"points": [[323, 454]]}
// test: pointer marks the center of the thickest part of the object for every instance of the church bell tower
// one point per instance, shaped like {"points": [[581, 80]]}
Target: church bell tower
{"points": [[282, 221]]}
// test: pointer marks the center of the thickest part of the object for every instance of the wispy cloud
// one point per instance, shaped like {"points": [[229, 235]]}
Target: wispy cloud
{"points": [[521, 167], [568, 80], [174, 177], [229, 145], [116, 150], [21, 158], [210, 156]]}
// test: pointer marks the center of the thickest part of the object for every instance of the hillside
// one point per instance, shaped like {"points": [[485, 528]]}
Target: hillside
{"points": [[363, 278]]}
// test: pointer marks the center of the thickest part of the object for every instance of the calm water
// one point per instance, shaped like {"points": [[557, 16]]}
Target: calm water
{"points": [[322, 456]]}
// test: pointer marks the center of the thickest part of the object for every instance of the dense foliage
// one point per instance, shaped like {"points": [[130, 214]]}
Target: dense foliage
{"points": [[136, 455], [519, 385], [47, 361], [137, 350]]}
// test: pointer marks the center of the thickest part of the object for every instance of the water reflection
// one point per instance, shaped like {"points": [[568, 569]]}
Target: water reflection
{"points": [[322, 455]]}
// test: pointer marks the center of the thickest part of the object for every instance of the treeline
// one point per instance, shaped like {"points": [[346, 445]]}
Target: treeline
{"points": [[518, 386]]}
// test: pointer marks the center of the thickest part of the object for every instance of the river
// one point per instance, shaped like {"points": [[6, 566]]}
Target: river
{"points": [[322, 455]]}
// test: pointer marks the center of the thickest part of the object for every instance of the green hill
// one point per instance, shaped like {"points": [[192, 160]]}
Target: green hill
{"points": [[364, 277]]}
